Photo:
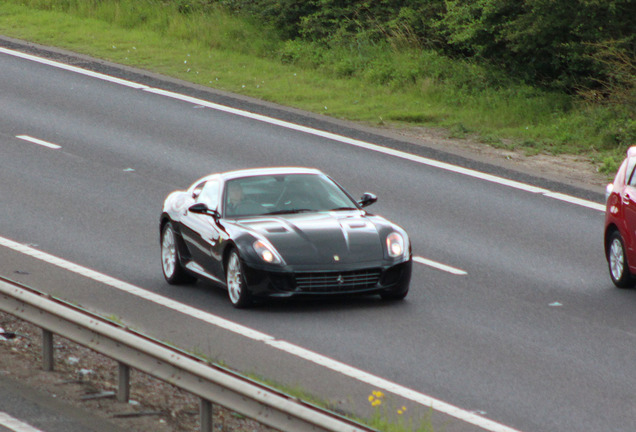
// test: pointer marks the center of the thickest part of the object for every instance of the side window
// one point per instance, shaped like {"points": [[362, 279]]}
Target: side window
{"points": [[630, 177], [210, 194]]}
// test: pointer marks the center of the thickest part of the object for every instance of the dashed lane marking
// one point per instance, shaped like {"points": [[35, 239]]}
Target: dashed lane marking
{"points": [[39, 142], [377, 382], [439, 266]]}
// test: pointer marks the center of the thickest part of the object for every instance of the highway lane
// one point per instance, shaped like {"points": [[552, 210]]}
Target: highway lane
{"points": [[45, 414], [488, 341]]}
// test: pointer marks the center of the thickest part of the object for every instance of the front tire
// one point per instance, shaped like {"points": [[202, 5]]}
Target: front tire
{"points": [[173, 271], [236, 287], [617, 262]]}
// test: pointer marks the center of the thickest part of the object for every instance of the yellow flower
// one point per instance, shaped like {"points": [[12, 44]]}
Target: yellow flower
{"points": [[374, 398], [402, 410]]}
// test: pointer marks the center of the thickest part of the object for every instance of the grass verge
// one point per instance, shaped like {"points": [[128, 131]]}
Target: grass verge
{"points": [[369, 82]]}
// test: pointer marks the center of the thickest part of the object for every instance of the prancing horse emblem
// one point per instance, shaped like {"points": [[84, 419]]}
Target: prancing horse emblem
{"points": [[340, 280]]}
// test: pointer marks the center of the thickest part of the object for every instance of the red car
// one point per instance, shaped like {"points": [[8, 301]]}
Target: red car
{"points": [[620, 223]]}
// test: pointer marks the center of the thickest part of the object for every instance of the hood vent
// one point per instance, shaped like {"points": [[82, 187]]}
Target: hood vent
{"points": [[279, 229], [354, 225]]}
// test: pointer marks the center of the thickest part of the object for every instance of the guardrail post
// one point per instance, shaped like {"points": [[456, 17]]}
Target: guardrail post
{"points": [[47, 350], [123, 391], [206, 416], [210, 384]]}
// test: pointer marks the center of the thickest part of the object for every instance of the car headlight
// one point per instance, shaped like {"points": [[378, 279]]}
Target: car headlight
{"points": [[267, 252], [395, 245]]}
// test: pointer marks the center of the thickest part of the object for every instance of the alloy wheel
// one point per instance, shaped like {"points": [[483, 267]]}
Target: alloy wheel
{"points": [[168, 252], [617, 259], [234, 279]]}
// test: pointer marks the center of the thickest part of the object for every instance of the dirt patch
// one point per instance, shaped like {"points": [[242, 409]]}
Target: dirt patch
{"points": [[575, 170], [86, 379]]}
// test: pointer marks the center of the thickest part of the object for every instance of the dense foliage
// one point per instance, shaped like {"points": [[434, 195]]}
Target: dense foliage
{"points": [[572, 45], [550, 75]]}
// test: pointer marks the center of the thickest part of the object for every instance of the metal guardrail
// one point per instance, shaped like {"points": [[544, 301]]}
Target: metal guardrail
{"points": [[211, 383]]}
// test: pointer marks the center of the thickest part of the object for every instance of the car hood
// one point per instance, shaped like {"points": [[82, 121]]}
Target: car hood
{"points": [[321, 238]]}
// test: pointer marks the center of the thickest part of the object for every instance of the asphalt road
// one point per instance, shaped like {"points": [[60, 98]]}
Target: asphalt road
{"points": [[533, 336], [44, 414]]}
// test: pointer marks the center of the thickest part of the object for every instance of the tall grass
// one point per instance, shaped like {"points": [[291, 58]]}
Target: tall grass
{"points": [[392, 81]]}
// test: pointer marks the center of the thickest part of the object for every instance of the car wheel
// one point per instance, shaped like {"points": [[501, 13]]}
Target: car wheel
{"points": [[170, 262], [236, 286], [617, 261]]}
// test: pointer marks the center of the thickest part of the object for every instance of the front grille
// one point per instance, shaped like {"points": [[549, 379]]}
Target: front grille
{"points": [[337, 281]]}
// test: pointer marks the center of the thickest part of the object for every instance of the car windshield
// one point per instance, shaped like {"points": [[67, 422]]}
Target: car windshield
{"points": [[281, 194]]}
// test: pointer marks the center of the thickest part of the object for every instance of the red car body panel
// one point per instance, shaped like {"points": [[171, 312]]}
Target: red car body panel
{"points": [[620, 213]]}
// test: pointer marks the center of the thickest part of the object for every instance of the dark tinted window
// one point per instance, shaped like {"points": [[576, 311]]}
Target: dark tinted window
{"points": [[630, 178], [283, 193]]}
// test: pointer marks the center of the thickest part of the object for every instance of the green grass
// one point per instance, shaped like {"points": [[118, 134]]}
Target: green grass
{"points": [[386, 416], [368, 82], [372, 83]]}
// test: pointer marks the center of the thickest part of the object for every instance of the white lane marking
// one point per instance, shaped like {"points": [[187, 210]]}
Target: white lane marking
{"points": [[389, 386], [75, 69], [15, 425], [373, 380], [575, 200], [385, 150], [439, 266], [334, 137], [131, 289], [39, 142]]}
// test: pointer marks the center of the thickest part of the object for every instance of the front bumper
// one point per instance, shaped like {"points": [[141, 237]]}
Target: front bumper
{"points": [[374, 279]]}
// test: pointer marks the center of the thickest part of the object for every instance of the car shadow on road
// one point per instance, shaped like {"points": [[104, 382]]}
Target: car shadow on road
{"points": [[218, 295]]}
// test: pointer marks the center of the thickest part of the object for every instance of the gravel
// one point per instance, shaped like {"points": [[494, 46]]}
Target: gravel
{"points": [[86, 379]]}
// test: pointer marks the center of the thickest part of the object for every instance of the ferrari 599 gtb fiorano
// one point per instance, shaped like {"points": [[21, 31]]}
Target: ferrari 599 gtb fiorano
{"points": [[281, 232]]}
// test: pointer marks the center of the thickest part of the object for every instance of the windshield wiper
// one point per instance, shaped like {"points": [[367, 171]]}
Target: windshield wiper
{"points": [[290, 211], [344, 208]]}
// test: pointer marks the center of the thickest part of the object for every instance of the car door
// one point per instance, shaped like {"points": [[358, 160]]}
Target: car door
{"points": [[628, 201], [201, 232]]}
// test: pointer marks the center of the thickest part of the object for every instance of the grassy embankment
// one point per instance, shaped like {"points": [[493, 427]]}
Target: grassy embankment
{"points": [[393, 83]]}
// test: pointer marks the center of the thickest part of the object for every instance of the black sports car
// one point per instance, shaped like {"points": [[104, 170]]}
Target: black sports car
{"points": [[281, 232]]}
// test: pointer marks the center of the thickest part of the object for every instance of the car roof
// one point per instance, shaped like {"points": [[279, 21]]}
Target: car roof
{"points": [[251, 172]]}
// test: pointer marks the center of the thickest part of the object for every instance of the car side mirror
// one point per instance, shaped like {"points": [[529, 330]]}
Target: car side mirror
{"points": [[201, 208], [367, 199]]}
